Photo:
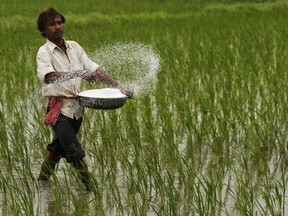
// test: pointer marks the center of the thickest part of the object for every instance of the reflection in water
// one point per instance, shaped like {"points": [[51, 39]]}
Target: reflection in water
{"points": [[54, 200], [52, 208], [45, 200]]}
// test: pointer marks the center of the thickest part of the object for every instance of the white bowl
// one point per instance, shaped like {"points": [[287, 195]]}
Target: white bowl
{"points": [[107, 98]]}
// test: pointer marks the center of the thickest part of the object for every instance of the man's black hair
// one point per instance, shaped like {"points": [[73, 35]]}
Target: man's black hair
{"points": [[45, 16]]}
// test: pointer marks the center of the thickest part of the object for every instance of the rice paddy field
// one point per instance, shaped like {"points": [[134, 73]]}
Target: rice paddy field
{"points": [[208, 136]]}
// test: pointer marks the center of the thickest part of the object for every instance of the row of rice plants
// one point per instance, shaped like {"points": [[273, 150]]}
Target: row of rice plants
{"points": [[209, 139]]}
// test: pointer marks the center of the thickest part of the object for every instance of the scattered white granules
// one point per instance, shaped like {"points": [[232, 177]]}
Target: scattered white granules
{"points": [[134, 65]]}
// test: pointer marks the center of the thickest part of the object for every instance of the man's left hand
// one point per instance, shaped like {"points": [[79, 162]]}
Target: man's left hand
{"points": [[127, 92]]}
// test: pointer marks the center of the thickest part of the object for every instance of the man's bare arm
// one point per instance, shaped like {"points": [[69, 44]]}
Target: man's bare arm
{"points": [[58, 77], [99, 75], [102, 76]]}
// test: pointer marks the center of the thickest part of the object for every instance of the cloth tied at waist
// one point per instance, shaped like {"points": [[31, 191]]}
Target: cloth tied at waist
{"points": [[53, 109]]}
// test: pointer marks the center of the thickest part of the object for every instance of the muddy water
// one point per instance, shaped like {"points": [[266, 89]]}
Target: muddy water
{"points": [[63, 195]]}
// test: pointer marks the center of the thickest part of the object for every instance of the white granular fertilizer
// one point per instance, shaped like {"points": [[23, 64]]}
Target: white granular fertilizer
{"points": [[102, 93], [134, 65]]}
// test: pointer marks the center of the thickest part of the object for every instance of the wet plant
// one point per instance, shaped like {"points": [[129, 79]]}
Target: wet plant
{"points": [[208, 138]]}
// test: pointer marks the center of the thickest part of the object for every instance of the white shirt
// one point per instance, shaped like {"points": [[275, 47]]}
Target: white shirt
{"points": [[51, 58]]}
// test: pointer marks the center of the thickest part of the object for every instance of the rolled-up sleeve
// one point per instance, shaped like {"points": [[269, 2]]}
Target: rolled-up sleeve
{"points": [[44, 64]]}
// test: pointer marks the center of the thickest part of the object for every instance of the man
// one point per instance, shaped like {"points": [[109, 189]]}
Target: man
{"points": [[61, 65]]}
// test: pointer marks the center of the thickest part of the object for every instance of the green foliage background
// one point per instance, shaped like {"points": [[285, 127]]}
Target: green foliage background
{"points": [[209, 139]]}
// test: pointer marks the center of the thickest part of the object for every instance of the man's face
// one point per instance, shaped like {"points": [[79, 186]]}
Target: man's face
{"points": [[54, 29]]}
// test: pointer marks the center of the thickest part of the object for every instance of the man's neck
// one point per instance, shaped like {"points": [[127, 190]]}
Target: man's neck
{"points": [[59, 43]]}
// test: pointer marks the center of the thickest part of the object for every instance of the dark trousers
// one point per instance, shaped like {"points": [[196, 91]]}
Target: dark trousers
{"points": [[66, 145]]}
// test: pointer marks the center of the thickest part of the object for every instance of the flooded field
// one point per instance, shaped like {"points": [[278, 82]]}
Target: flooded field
{"points": [[207, 135]]}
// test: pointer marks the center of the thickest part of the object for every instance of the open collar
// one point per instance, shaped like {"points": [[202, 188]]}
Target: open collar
{"points": [[51, 46]]}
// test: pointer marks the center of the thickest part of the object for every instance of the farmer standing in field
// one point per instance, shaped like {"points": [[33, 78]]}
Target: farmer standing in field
{"points": [[61, 65]]}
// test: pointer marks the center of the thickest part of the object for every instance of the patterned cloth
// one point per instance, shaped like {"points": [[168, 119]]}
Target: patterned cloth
{"points": [[54, 107]]}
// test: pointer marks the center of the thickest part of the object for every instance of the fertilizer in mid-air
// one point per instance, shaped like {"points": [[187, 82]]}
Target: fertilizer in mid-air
{"points": [[134, 65]]}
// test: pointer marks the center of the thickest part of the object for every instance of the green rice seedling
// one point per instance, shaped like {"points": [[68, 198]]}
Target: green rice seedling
{"points": [[208, 138]]}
